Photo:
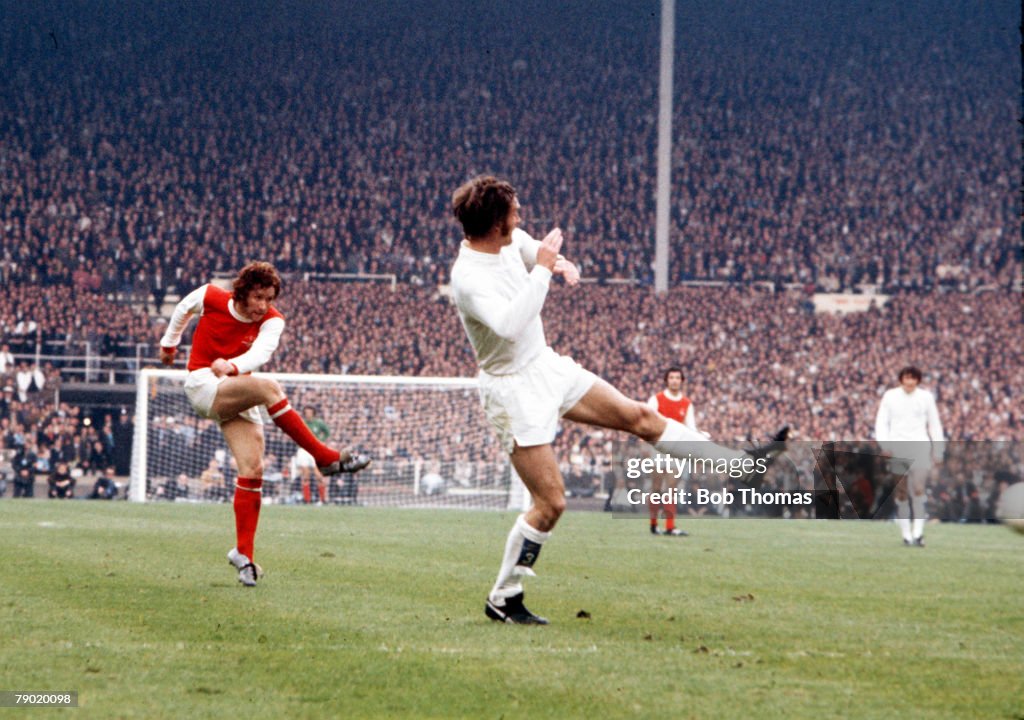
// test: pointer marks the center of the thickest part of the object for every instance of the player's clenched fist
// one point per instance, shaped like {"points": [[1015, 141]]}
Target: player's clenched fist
{"points": [[547, 253], [222, 367]]}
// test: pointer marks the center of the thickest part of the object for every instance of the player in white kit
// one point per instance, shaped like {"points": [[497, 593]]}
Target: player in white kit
{"points": [[499, 282], [908, 426]]}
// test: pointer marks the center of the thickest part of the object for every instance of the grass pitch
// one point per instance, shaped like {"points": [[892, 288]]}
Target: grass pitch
{"points": [[379, 613]]}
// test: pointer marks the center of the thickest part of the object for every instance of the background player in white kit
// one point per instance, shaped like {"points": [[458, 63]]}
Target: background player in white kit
{"points": [[907, 426], [499, 281]]}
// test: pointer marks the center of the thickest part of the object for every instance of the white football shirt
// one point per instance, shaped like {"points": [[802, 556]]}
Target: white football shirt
{"points": [[499, 298], [908, 416]]}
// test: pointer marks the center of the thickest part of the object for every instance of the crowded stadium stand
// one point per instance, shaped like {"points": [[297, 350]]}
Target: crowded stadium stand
{"points": [[873, 160]]}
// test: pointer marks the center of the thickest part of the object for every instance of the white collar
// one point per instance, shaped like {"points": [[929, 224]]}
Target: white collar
{"points": [[479, 256], [235, 314]]}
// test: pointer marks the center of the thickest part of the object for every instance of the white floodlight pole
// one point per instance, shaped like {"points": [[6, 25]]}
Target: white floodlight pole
{"points": [[664, 189]]}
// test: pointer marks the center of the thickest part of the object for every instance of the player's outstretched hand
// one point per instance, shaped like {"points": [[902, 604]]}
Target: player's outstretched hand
{"points": [[547, 253], [568, 271]]}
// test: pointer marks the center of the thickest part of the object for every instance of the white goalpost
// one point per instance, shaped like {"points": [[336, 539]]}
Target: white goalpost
{"points": [[430, 442]]}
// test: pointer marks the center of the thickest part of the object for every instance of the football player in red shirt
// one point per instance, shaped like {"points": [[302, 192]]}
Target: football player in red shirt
{"points": [[672, 404], [238, 331]]}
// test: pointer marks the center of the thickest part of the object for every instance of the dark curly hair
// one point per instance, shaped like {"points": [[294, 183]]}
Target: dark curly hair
{"points": [[255, 275], [911, 371], [482, 203]]}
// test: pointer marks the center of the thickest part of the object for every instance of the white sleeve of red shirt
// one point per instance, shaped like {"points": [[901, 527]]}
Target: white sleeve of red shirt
{"points": [[262, 347], [191, 304]]}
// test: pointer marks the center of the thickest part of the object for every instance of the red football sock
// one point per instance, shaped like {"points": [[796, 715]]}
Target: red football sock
{"points": [[653, 507], [307, 494], [323, 492], [670, 516], [292, 425], [248, 500]]}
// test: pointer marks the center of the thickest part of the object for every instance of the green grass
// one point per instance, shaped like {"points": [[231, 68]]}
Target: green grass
{"points": [[378, 613]]}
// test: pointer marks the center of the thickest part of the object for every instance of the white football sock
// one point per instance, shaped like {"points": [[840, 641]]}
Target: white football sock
{"points": [[903, 519], [920, 514], [681, 442], [516, 551]]}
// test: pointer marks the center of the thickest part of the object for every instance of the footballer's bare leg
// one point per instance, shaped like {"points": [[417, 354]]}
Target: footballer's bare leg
{"points": [[237, 394], [246, 443], [603, 405], [538, 469]]}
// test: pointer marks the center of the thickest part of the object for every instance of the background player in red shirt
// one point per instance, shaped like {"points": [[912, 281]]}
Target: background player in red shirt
{"points": [[670, 403], [237, 333]]}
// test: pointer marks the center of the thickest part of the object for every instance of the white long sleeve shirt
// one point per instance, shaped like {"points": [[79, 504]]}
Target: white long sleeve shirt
{"points": [[499, 298], [909, 417]]}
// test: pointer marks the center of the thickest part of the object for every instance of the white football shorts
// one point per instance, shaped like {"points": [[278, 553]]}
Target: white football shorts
{"points": [[524, 407], [303, 459], [201, 389]]}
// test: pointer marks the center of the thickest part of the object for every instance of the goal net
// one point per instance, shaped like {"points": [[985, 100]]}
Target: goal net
{"points": [[430, 443]]}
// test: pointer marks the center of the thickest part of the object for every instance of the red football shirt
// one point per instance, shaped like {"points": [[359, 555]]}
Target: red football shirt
{"points": [[672, 409], [221, 333]]}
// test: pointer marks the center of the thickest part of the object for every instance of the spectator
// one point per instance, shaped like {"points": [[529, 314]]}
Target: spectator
{"points": [[213, 483], [99, 456], [24, 482], [173, 489], [28, 379], [61, 484], [105, 487], [6, 360]]}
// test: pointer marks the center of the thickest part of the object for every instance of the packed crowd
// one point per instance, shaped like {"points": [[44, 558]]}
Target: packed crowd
{"points": [[140, 157], [754, 359], [65, 320], [61, 445], [830, 148]]}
